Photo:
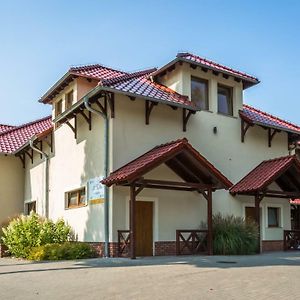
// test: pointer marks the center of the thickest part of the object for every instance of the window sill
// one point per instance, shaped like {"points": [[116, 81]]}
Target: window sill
{"points": [[224, 115], [275, 227], [74, 207]]}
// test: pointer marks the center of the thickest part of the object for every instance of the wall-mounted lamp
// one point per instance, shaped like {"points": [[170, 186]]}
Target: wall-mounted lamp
{"points": [[215, 130]]}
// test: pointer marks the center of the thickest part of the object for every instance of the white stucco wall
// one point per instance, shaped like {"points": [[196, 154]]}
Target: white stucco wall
{"points": [[11, 187], [75, 161], [131, 138]]}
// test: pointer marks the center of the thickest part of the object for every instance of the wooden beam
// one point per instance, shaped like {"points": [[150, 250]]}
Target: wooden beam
{"points": [[283, 194], [148, 109], [132, 224], [258, 199], [22, 158], [209, 223], [30, 155], [87, 118], [101, 107], [167, 183], [186, 169], [244, 128], [73, 128], [186, 114], [271, 134]]}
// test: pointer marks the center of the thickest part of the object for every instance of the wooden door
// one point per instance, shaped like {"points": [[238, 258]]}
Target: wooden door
{"points": [[250, 213], [144, 228]]}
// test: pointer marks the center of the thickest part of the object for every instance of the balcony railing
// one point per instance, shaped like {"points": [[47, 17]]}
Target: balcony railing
{"points": [[291, 240], [123, 243], [191, 241]]}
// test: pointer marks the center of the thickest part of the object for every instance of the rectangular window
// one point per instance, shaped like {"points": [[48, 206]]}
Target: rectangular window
{"points": [[225, 103], [30, 206], [75, 198], [199, 92], [273, 217], [69, 99], [58, 108]]}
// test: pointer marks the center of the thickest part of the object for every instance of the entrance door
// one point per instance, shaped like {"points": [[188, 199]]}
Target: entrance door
{"points": [[144, 228], [250, 213]]}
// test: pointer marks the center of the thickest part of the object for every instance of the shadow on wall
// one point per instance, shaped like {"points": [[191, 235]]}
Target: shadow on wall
{"points": [[92, 168]]}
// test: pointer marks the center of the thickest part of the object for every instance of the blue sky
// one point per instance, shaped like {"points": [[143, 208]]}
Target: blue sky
{"points": [[40, 40]]}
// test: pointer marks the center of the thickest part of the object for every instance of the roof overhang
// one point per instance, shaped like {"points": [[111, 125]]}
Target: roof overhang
{"points": [[66, 115], [284, 171], [265, 125], [170, 66], [184, 160]]}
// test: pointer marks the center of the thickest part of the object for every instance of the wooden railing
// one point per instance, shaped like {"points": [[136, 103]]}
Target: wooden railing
{"points": [[123, 242], [291, 240], [191, 241]]}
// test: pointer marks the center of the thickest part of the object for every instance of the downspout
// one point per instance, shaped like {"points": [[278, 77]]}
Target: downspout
{"points": [[46, 157], [106, 162]]}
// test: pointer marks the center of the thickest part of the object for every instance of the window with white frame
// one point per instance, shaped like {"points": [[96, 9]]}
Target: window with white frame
{"points": [[273, 217]]}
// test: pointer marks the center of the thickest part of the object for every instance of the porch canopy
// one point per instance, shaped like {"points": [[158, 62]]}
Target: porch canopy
{"points": [[284, 171], [196, 172]]}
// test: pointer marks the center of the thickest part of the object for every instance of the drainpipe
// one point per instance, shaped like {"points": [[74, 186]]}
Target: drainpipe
{"points": [[46, 157], [106, 162]]}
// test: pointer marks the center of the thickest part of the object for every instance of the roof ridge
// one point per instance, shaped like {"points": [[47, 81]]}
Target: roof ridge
{"points": [[270, 115], [25, 125], [93, 66], [280, 158], [184, 54], [126, 76]]}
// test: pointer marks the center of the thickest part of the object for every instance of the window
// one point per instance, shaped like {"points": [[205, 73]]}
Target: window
{"points": [[75, 198], [273, 216], [225, 105], [69, 99], [30, 206], [199, 92], [58, 108]]}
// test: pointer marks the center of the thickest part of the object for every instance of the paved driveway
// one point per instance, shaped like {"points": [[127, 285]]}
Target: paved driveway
{"points": [[269, 276]]}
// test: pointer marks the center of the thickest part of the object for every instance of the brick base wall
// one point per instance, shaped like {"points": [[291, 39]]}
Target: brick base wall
{"points": [[272, 246], [165, 248], [100, 248]]}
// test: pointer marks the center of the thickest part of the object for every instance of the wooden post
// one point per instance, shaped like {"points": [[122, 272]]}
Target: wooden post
{"points": [[257, 219], [209, 223], [132, 221]]}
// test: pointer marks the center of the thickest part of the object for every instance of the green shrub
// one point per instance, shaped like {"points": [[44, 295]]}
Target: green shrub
{"points": [[26, 232], [68, 250], [233, 235]]}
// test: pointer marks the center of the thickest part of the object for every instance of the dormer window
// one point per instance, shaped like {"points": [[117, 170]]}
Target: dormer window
{"points": [[69, 99], [199, 92], [225, 102], [58, 108]]}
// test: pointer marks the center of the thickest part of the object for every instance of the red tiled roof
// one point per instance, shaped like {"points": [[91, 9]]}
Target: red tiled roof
{"points": [[264, 174], [4, 128], [154, 158], [256, 116], [295, 201], [96, 71], [190, 58], [15, 138], [140, 85]]}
